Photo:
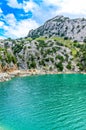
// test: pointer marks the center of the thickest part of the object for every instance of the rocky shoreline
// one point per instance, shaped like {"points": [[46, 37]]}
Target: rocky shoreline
{"points": [[5, 76]]}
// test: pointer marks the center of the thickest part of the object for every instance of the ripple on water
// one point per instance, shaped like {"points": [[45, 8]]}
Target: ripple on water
{"points": [[49, 102]]}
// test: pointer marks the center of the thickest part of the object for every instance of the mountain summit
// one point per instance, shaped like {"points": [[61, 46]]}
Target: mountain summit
{"points": [[61, 26], [48, 48]]}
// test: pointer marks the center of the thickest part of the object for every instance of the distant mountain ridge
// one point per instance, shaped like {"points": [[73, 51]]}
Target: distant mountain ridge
{"points": [[61, 26]]}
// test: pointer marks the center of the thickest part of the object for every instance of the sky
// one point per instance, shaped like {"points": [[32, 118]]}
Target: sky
{"points": [[18, 17]]}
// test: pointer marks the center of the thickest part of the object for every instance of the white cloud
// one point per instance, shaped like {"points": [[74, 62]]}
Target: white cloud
{"points": [[16, 29], [46, 10], [71, 7], [1, 11], [52, 2], [14, 4], [74, 7], [25, 5], [1, 24], [11, 20], [39, 13], [30, 6], [21, 29]]}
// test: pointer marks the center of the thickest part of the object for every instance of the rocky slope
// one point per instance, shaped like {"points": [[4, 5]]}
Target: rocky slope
{"points": [[49, 54], [74, 29], [51, 47]]}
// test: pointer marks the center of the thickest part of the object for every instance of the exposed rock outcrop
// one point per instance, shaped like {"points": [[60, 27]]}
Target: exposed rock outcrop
{"points": [[45, 51], [74, 29]]}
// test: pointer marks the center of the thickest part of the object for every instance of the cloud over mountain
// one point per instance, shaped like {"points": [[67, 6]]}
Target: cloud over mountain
{"points": [[33, 13]]}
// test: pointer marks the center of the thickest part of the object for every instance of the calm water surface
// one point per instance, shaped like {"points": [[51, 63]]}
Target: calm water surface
{"points": [[49, 102]]}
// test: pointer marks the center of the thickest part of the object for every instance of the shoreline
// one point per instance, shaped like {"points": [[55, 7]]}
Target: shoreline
{"points": [[6, 76]]}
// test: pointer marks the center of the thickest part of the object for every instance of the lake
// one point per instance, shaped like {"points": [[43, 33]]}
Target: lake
{"points": [[48, 102]]}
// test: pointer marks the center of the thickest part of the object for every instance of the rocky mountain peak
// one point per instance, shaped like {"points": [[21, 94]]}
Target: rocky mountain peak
{"points": [[74, 29]]}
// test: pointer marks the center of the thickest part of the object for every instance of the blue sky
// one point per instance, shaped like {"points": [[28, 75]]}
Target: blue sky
{"points": [[17, 17]]}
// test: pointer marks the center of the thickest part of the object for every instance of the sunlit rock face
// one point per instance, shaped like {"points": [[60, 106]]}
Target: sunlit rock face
{"points": [[74, 29], [59, 45]]}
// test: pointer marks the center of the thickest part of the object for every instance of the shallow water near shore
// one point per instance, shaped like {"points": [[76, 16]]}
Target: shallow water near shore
{"points": [[48, 102]]}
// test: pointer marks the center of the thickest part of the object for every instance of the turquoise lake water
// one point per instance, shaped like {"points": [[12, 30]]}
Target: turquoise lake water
{"points": [[48, 102]]}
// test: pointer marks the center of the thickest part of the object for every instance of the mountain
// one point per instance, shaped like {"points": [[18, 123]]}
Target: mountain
{"points": [[47, 54], [44, 49], [61, 26]]}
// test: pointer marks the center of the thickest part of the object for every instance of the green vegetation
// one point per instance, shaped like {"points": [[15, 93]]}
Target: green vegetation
{"points": [[84, 40], [17, 48], [59, 66], [69, 66], [44, 53], [61, 58], [10, 58], [33, 65], [6, 58]]}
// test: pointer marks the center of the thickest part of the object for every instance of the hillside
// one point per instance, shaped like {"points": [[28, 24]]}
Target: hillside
{"points": [[61, 26], [49, 54]]}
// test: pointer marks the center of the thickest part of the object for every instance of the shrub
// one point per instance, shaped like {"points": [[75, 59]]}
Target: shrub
{"points": [[50, 68], [51, 59], [59, 66], [41, 43], [69, 65], [84, 40], [62, 35], [75, 41], [61, 58], [47, 59], [65, 38], [17, 48], [31, 65], [42, 62], [80, 66]]}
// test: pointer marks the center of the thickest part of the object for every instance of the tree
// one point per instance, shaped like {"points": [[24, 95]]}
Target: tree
{"points": [[84, 40]]}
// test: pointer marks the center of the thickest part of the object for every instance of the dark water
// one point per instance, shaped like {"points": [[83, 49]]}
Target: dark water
{"points": [[50, 102]]}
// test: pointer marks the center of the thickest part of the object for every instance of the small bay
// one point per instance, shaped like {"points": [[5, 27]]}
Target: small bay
{"points": [[44, 102]]}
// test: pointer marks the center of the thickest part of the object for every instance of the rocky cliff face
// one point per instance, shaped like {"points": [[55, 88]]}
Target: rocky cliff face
{"points": [[74, 29], [48, 47], [49, 54]]}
